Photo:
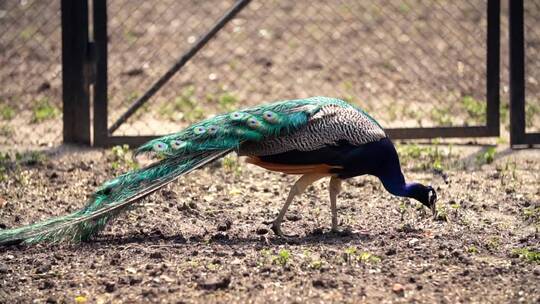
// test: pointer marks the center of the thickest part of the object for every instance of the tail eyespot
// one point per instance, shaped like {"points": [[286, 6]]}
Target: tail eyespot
{"points": [[212, 129], [199, 130], [270, 116], [177, 144], [237, 115], [253, 123], [160, 146]]}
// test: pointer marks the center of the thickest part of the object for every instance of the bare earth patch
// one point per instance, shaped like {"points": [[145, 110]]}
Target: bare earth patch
{"points": [[202, 239]]}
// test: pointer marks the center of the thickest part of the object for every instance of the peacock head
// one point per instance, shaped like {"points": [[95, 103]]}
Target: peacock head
{"points": [[425, 195]]}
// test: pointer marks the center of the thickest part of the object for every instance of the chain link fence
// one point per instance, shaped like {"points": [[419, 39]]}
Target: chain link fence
{"points": [[409, 63], [30, 74], [532, 65]]}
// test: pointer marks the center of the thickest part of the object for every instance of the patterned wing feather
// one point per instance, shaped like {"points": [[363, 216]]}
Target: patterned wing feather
{"points": [[329, 125]]}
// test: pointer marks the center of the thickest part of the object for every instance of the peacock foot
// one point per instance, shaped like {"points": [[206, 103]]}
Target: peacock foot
{"points": [[276, 228]]}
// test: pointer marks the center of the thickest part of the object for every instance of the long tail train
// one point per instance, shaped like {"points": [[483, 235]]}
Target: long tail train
{"points": [[108, 201]]}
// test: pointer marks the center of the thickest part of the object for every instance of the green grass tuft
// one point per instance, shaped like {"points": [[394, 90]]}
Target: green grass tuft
{"points": [[475, 109], [352, 254], [529, 255], [472, 250], [282, 258], [442, 116], [121, 158], [425, 157], [6, 112], [44, 110], [487, 157]]}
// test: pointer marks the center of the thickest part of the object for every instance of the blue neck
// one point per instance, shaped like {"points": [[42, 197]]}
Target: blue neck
{"points": [[394, 182]]}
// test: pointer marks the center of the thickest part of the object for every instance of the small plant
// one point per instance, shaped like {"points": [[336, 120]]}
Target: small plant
{"points": [[475, 109], [508, 172], [487, 157], [6, 112], [529, 255], [316, 264], [455, 205], [352, 254], [350, 251], [11, 164], [402, 209], [441, 213], [282, 258], [493, 243], [44, 111], [532, 213], [425, 157], [231, 164], [472, 250], [368, 258], [442, 116], [121, 157]]}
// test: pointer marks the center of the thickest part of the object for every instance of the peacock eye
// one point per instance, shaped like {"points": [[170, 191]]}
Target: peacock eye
{"points": [[237, 115], [177, 144], [253, 123], [159, 147], [199, 130], [270, 116], [212, 129]]}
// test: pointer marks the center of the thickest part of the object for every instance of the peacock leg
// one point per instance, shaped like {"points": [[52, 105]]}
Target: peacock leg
{"points": [[334, 189], [298, 188]]}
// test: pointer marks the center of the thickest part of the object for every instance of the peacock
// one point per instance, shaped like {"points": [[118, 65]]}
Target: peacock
{"points": [[313, 137]]}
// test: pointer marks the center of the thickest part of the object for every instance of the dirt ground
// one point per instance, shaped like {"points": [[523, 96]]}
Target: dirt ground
{"points": [[202, 238]]}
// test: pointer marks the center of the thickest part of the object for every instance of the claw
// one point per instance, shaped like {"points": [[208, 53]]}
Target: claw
{"points": [[276, 228]]}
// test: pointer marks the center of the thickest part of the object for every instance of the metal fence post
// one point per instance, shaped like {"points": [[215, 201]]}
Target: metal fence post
{"points": [[517, 71], [493, 39], [100, 86], [75, 72]]}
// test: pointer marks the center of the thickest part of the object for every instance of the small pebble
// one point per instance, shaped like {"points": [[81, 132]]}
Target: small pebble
{"points": [[110, 287], [398, 289]]}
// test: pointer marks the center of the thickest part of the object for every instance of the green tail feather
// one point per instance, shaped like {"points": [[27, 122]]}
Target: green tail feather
{"points": [[181, 152], [111, 199]]}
